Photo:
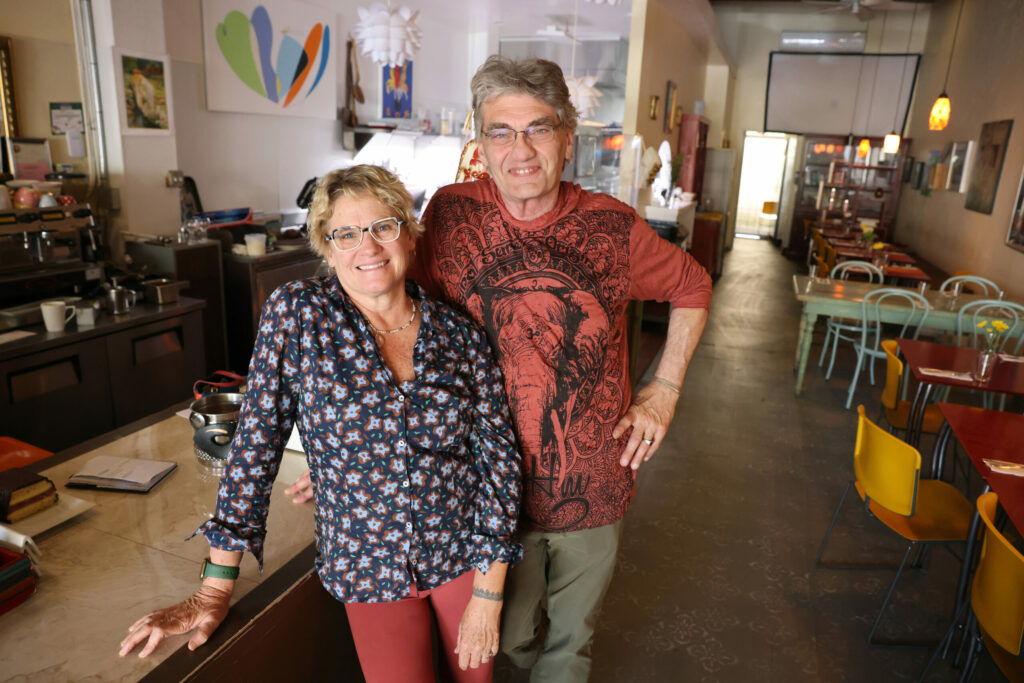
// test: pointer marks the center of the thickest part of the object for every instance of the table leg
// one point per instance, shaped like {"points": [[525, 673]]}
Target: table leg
{"points": [[939, 451], [919, 422], [803, 347], [912, 416], [968, 565]]}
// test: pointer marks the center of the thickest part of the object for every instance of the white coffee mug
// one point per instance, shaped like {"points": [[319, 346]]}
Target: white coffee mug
{"points": [[56, 315]]}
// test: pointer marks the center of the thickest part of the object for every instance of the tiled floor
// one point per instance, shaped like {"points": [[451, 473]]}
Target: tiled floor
{"points": [[715, 578]]}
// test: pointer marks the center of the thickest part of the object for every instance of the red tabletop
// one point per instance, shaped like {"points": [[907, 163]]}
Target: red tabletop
{"points": [[1007, 377], [996, 435], [899, 257], [908, 272]]}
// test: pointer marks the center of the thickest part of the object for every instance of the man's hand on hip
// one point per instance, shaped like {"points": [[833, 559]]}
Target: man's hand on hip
{"points": [[649, 415]]}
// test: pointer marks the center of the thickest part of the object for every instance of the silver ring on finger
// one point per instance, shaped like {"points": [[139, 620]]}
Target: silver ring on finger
{"points": [[648, 441]]}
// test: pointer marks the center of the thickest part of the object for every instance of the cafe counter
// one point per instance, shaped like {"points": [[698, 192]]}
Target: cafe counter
{"points": [[123, 555]]}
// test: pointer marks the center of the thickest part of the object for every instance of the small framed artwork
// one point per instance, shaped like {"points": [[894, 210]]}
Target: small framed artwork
{"points": [[145, 84], [29, 158], [916, 175], [670, 106], [960, 154], [1015, 235], [908, 168], [397, 88], [981, 191]]}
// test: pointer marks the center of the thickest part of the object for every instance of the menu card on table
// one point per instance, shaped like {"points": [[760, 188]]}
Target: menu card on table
{"points": [[121, 474]]}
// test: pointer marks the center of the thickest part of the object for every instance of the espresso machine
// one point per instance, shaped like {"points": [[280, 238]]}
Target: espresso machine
{"points": [[46, 253]]}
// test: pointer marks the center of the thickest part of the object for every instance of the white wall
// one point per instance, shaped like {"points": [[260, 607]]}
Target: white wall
{"points": [[984, 85], [751, 35], [262, 161]]}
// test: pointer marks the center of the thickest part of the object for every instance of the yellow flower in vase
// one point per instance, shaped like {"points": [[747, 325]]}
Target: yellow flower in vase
{"points": [[994, 330]]}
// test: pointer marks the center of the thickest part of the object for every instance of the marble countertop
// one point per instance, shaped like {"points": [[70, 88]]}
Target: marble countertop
{"points": [[127, 556]]}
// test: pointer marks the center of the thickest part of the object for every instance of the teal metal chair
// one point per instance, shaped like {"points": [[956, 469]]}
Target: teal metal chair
{"points": [[969, 315], [1011, 341], [869, 346], [847, 329], [987, 287]]}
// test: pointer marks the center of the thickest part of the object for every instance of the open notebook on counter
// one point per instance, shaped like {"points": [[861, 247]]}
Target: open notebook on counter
{"points": [[121, 474]]}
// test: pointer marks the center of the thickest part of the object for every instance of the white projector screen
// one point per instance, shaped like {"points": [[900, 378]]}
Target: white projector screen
{"points": [[817, 93]]}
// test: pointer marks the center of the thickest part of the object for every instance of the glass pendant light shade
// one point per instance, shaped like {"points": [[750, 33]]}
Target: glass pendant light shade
{"points": [[939, 118], [891, 144], [864, 148]]}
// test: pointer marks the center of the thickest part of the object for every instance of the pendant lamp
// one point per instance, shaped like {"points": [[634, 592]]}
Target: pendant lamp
{"points": [[891, 145], [938, 119], [389, 36], [864, 148]]}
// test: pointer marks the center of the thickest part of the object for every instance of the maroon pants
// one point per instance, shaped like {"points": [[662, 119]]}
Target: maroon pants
{"points": [[393, 638]]}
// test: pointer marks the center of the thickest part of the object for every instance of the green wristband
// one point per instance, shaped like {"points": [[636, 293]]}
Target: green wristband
{"points": [[217, 571]]}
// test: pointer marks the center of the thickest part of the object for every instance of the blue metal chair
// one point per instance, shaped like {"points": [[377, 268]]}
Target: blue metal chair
{"points": [[837, 326], [987, 287], [869, 346]]}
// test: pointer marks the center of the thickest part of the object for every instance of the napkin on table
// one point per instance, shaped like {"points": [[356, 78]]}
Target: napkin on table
{"points": [[1003, 467], [947, 374]]}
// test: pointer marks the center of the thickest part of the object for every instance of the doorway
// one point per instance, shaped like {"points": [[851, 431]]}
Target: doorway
{"points": [[761, 176]]}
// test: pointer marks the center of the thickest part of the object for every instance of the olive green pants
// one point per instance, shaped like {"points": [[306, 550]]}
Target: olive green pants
{"points": [[566, 576]]}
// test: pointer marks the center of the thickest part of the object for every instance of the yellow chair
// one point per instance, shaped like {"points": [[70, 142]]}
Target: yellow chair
{"points": [[897, 412], [997, 602], [997, 598], [888, 479]]}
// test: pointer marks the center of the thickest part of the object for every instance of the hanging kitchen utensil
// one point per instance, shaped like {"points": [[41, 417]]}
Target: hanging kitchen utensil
{"points": [[348, 113], [357, 92]]}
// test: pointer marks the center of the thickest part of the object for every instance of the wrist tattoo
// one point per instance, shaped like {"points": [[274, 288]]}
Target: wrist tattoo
{"points": [[488, 595]]}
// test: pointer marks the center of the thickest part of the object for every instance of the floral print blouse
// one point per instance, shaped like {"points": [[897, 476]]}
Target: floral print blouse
{"points": [[414, 482]]}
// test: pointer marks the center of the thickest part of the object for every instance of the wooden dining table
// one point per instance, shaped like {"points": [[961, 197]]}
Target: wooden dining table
{"points": [[922, 356], [822, 297]]}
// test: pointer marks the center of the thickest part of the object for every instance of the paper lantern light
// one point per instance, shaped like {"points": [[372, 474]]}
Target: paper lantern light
{"points": [[584, 95], [389, 36]]}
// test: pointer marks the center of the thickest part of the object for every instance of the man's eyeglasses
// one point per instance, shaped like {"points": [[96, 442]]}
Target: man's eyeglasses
{"points": [[349, 237], [535, 135]]}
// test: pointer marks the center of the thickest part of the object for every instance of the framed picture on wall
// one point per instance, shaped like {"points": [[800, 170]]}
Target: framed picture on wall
{"points": [[396, 86], [670, 106], [988, 164], [1015, 235], [959, 163], [144, 84], [919, 171], [8, 105]]}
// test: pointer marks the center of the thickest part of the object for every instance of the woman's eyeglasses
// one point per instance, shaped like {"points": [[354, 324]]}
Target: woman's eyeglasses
{"points": [[383, 230]]}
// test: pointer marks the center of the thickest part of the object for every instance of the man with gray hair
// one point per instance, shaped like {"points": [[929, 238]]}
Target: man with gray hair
{"points": [[548, 270]]}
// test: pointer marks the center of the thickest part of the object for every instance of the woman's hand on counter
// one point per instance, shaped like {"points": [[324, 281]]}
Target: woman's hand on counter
{"points": [[203, 612], [302, 490]]}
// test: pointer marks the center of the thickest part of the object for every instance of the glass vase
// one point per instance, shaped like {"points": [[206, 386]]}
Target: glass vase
{"points": [[984, 365]]}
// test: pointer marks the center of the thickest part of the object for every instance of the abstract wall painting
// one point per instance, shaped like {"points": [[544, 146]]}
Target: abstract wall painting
{"points": [[269, 57], [397, 88], [988, 164]]}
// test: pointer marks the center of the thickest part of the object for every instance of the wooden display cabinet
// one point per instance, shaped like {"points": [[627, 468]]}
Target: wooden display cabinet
{"points": [[871, 186]]}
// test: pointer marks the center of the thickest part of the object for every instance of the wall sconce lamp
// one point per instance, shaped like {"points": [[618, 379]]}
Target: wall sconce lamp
{"points": [[938, 119], [653, 113]]}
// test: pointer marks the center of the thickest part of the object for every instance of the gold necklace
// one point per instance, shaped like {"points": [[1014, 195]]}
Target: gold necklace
{"points": [[376, 332]]}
